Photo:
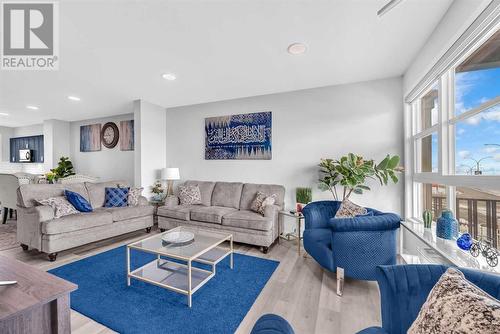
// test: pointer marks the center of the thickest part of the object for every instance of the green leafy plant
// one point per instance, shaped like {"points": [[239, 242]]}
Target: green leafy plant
{"points": [[303, 195], [351, 172], [64, 168], [157, 188]]}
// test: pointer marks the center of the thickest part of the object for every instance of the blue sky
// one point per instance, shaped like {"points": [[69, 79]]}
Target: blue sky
{"points": [[471, 90]]}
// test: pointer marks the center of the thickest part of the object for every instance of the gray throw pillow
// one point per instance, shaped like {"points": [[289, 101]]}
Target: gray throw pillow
{"points": [[455, 305], [348, 209], [261, 200], [60, 205], [189, 195]]}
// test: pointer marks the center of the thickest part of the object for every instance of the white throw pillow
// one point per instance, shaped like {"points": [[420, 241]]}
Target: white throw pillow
{"points": [[189, 195], [348, 209], [60, 205], [261, 200], [133, 196]]}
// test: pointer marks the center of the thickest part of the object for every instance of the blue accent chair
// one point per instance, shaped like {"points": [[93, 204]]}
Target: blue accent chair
{"points": [[404, 289], [358, 245], [272, 324]]}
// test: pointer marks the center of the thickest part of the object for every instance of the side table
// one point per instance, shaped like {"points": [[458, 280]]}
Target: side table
{"points": [[156, 205], [299, 217]]}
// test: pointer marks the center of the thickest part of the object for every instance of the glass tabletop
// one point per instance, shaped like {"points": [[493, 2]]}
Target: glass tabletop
{"points": [[203, 241]]}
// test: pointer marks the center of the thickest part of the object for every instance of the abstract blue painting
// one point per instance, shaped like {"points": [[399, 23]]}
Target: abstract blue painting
{"points": [[239, 137], [90, 138]]}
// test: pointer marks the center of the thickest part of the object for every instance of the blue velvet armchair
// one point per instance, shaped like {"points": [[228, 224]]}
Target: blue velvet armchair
{"points": [[357, 245], [404, 289]]}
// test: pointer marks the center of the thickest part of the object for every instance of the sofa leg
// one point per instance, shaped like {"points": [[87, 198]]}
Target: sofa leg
{"points": [[264, 249], [162, 230], [24, 247], [340, 281], [52, 257], [148, 229], [5, 213]]}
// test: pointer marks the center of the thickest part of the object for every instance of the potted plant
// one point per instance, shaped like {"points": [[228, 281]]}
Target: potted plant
{"points": [[302, 197], [351, 173], [64, 168], [157, 190]]}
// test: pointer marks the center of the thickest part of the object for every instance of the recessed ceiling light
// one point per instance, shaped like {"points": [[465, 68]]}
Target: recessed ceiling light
{"points": [[169, 76], [32, 107], [3, 114], [74, 98], [297, 48]]}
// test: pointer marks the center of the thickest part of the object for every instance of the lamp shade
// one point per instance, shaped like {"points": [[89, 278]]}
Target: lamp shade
{"points": [[170, 174]]}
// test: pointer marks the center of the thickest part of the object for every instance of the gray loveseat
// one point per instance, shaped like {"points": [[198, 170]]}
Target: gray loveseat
{"points": [[226, 207], [37, 228]]}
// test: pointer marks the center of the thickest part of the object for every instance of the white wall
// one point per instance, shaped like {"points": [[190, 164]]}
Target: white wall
{"points": [[107, 164], [150, 142], [56, 142], [30, 130], [457, 19], [5, 134], [364, 118]]}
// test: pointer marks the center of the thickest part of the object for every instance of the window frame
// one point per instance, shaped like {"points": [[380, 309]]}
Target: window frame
{"points": [[443, 73]]}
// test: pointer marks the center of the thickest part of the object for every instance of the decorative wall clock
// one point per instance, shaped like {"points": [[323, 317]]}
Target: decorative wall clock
{"points": [[110, 135]]}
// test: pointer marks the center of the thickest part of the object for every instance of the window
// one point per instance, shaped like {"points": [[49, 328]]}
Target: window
{"points": [[455, 143], [478, 213], [433, 198]]}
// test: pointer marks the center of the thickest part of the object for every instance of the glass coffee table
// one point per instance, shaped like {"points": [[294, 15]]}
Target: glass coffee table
{"points": [[180, 275]]}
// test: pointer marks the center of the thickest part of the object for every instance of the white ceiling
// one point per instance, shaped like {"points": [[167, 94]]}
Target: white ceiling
{"points": [[113, 52]]}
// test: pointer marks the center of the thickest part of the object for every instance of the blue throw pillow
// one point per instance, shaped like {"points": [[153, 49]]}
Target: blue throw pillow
{"points": [[116, 197], [78, 201]]}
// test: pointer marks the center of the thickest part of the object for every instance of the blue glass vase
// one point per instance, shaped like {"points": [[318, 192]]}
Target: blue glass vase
{"points": [[447, 226], [464, 242]]}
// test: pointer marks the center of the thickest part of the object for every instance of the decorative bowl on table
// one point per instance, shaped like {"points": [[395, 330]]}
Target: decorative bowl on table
{"points": [[178, 238]]}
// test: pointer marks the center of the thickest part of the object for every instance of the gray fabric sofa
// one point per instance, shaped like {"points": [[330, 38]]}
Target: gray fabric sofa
{"points": [[226, 207], [37, 228]]}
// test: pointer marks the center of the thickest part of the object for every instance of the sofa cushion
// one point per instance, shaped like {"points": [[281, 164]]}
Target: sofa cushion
{"points": [[28, 194], [129, 212], [181, 212], [79, 221], [96, 191], [206, 190], [250, 191], [227, 194], [248, 219], [210, 214]]}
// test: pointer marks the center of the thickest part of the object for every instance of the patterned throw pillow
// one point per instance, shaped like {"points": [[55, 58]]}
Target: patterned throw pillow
{"points": [[78, 201], [133, 196], [60, 205], [348, 209], [189, 194], [115, 197], [261, 200], [455, 305]]}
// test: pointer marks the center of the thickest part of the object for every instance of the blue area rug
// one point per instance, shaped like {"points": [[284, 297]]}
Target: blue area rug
{"points": [[218, 307]]}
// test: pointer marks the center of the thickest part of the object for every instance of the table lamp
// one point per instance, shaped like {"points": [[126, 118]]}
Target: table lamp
{"points": [[170, 174]]}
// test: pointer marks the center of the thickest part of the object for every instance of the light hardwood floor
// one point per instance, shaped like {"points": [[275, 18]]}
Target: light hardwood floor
{"points": [[299, 290]]}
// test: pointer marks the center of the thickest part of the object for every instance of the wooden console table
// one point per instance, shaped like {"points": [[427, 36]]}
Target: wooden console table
{"points": [[38, 303]]}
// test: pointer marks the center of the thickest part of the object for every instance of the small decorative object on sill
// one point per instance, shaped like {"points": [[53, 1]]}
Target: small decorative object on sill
{"points": [[464, 242], [489, 253], [447, 225], [427, 217]]}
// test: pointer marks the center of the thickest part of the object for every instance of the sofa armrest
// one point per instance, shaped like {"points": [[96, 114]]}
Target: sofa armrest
{"points": [[29, 230], [383, 222], [171, 201]]}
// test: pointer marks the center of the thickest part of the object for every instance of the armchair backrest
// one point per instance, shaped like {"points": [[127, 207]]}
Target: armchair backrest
{"points": [[404, 289], [318, 214]]}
